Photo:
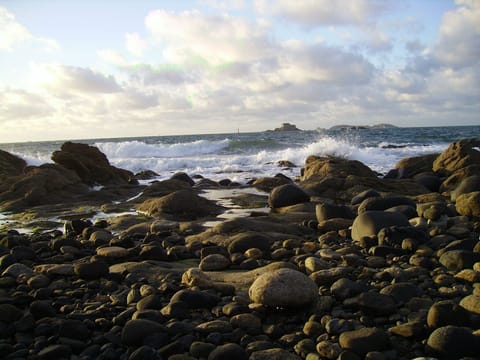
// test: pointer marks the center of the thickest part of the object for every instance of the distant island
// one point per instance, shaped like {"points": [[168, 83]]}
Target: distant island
{"points": [[362, 127], [286, 127]]}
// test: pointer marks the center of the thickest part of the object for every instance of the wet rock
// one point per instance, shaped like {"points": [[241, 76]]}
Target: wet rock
{"points": [[286, 195], [181, 176], [283, 288], [364, 340], [454, 342], [316, 166], [90, 164]]}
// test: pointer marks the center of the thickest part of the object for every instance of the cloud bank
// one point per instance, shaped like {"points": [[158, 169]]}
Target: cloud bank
{"points": [[193, 71]]}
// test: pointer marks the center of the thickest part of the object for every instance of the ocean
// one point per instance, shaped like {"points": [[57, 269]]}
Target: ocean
{"points": [[241, 157]]}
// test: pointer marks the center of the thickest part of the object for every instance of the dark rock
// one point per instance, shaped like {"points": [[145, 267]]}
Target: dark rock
{"points": [[91, 270], [229, 351], [214, 262], [74, 329], [447, 312], [407, 210], [195, 299], [345, 288], [181, 176], [144, 353], [358, 199], [364, 340], [153, 252], [394, 235], [456, 260], [135, 331], [429, 181], [454, 342], [328, 211], [54, 352], [401, 292], [42, 308], [283, 288], [9, 313], [369, 223], [383, 203], [273, 354], [248, 240], [269, 183], [183, 203], [286, 195], [90, 164], [412, 166], [373, 303], [152, 301], [10, 165], [200, 349]]}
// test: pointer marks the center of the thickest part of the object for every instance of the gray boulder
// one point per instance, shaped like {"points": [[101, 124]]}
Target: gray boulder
{"points": [[369, 223]]}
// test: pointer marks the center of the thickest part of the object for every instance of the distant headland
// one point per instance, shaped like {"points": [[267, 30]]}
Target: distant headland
{"points": [[360, 127]]}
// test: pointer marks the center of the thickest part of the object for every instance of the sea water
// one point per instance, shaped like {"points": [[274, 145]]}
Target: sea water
{"points": [[243, 156]]}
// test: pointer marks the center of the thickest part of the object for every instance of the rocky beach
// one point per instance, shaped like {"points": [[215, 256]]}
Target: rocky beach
{"points": [[97, 262]]}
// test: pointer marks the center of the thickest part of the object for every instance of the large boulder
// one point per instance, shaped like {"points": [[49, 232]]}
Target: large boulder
{"points": [[458, 155], [90, 164], [183, 203], [469, 204], [369, 223], [409, 167], [384, 203], [283, 288], [10, 165], [45, 184], [339, 167], [467, 185], [454, 342], [286, 195]]}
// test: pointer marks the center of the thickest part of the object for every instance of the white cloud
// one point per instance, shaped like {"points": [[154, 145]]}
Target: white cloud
{"points": [[13, 34], [460, 35], [135, 44], [61, 78], [195, 39], [314, 13]]}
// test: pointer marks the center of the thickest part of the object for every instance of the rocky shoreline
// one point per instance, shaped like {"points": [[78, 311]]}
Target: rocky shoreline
{"points": [[99, 263]]}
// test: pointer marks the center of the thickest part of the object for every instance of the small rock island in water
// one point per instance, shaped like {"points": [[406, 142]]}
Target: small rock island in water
{"points": [[286, 127]]}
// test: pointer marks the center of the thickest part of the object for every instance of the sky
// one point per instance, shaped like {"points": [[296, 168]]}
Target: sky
{"points": [[82, 69]]}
